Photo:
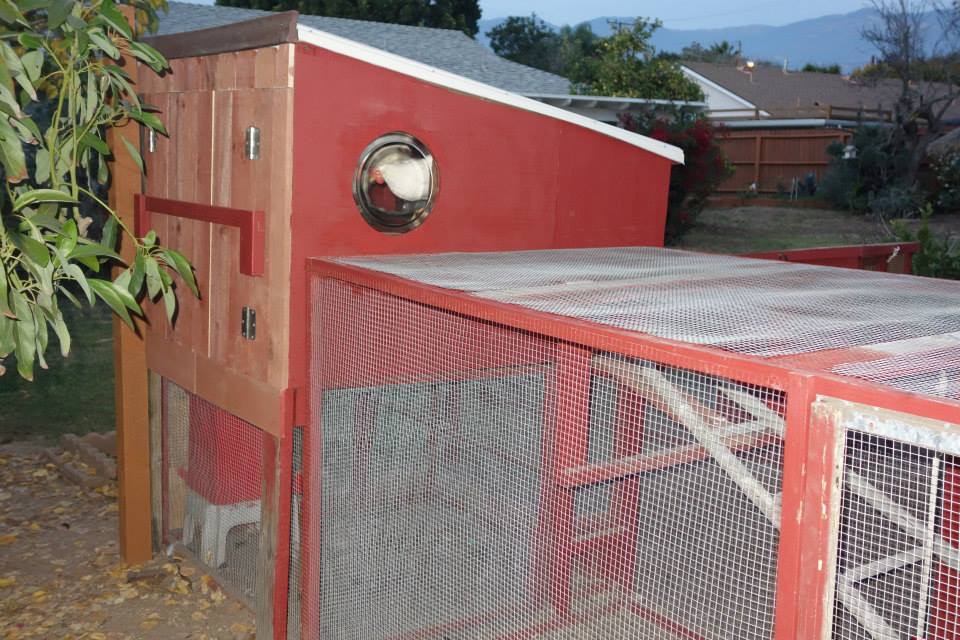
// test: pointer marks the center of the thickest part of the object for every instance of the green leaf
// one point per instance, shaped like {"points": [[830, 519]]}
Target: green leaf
{"points": [[150, 239], [148, 119], [32, 63], [180, 264], [58, 12], [94, 142], [68, 237], [154, 283], [4, 294], [30, 41], [107, 292], [15, 68], [60, 328], [41, 171], [25, 336], [95, 249], [66, 293], [11, 152], [43, 337], [137, 276], [93, 96], [76, 274], [7, 340], [170, 304], [133, 153], [153, 58], [41, 195], [103, 43], [33, 249], [10, 14], [110, 15]]}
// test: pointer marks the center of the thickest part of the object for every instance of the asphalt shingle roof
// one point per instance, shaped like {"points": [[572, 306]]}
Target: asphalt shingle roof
{"points": [[445, 49], [799, 93]]}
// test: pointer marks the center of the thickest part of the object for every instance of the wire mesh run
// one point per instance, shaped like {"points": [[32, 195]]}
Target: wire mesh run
{"points": [[899, 545], [212, 484], [468, 480]]}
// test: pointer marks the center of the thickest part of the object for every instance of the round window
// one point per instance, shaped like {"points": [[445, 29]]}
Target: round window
{"points": [[395, 183]]}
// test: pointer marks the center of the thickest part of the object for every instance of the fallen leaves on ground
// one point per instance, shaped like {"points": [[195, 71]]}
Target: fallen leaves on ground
{"points": [[61, 576]]}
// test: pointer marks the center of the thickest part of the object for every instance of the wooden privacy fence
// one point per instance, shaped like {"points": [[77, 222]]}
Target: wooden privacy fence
{"points": [[773, 158]]}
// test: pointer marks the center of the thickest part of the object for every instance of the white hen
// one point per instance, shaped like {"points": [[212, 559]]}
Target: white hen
{"points": [[408, 178]]}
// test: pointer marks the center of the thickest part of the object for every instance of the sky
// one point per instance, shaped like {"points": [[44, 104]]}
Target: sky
{"points": [[691, 14]]}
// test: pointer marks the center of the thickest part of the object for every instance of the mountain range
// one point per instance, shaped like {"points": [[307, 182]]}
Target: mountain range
{"points": [[832, 39]]}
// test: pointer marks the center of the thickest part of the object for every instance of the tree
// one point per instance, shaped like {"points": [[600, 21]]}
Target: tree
{"points": [[905, 51], [462, 15], [719, 52], [527, 40], [61, 89], [833, 69], [627, 65]]}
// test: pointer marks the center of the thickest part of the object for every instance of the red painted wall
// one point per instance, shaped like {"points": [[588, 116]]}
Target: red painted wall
{"points": [[509, 179]]}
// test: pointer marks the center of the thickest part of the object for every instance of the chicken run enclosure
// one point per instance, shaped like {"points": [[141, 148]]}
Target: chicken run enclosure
{"points": [[412, 403]]}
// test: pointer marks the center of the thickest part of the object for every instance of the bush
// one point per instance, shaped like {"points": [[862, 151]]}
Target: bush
{"points": [[938, 257], [691, 183], [872, 182], [946, 169]]}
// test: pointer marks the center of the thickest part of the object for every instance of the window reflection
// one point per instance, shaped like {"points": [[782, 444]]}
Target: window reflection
{"points": [[395, 183]]}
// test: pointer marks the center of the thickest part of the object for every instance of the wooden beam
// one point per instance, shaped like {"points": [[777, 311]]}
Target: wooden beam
{"points": [[130, 366], [268, 31]]}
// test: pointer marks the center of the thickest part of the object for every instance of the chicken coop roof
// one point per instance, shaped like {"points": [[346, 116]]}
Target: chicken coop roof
{"points": [[446, 49], [896, 330], [265, 28]]}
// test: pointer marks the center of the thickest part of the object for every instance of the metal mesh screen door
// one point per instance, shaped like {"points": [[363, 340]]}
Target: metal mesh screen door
{"points": [[898, 550], [469, 480], [212, 479]]}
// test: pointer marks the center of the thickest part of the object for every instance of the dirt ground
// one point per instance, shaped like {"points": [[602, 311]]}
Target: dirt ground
{"points": [[61, 575], [745, 229]]}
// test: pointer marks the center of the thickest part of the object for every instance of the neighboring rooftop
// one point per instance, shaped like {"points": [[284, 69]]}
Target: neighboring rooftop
{"points": [[445, 49], [802, 94]]}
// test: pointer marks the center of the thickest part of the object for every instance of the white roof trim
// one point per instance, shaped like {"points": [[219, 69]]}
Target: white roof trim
{"points": [[710, 83], [452, 81]]}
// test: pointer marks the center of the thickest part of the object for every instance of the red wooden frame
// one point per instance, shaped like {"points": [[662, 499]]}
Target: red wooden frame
{"points": [[807, 544], [250, 223], [867, 256]]}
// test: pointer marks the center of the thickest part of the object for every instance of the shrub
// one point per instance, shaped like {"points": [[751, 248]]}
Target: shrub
{"points": [[873, 181], [938, 256], [946, 169], [694, 181]]}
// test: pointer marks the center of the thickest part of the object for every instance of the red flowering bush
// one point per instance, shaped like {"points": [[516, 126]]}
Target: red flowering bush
{"points": [[693, 182]]}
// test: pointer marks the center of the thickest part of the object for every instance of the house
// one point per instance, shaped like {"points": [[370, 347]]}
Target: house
{"points": [[445, 49], [781, 98], [778, 123]]}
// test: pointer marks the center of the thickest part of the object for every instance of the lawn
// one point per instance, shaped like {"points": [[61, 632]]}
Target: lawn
{"points": [[745, 229], [75, 395]]}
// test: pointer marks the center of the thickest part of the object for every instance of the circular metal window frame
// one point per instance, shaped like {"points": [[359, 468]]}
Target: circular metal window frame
{"points": [[381, 219]]}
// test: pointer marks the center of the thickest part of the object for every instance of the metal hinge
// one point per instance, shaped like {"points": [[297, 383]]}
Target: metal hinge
{"points": [[251, 143], [248, 323]]}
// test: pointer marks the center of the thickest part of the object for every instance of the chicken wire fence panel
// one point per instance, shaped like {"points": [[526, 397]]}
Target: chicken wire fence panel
{"points": [[898, 549], [700, 298], [469, 480], [212, 487]]}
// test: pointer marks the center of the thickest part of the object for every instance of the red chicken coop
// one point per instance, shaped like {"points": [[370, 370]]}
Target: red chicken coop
{"points": [[634, 443], [286, 143]]}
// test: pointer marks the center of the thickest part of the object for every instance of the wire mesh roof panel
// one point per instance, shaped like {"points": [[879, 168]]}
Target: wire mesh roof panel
{"points": [[755, 307]]}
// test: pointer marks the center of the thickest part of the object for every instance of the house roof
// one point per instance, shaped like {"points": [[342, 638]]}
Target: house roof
{"points": [[446, 49], [802, 94]]}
